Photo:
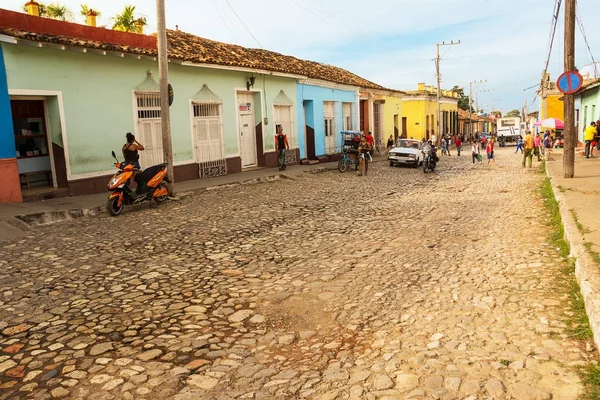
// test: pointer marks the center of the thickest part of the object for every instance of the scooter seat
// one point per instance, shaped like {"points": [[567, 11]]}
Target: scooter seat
{"points": [[147, 174]]}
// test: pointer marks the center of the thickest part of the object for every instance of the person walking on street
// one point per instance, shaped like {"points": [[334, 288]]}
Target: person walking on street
{"points": [[448, 143], [364, 156], [475, 152], [519, 145], [281, 145], [390, 143], [489, 150], [590, 132], [458, 145], [444, 146], [528, 145], [537, 145], [371, 141]]}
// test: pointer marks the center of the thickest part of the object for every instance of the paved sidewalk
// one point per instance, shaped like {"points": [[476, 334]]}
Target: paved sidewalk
{"points": [[581, 193], [578, 198], [17, 218]]}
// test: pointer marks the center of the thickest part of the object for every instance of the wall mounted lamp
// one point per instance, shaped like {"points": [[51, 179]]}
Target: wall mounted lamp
{"points": [[250, 82]]}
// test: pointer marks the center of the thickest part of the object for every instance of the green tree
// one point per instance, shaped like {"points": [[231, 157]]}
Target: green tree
{"points": [[59, 12], [85, 10], [127, 22], [463, 101], [513, 113]]}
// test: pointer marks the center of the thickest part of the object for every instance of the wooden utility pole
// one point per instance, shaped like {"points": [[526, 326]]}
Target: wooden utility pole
{"points": [[163, 71], [569, 99], [439, 90]]}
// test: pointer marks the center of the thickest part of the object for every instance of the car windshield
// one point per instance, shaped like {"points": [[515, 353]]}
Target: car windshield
{"points": [[408, 144]]}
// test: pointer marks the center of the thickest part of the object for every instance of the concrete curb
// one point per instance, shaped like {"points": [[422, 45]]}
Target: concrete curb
{"points": [[586, 270]]}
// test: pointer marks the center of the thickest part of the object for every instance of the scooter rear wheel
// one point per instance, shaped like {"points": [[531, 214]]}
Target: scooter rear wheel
{"points": [[112, 206], [342, 166], [160, 199]]}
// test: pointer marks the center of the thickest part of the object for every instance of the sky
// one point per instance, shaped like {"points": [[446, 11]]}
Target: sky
{"points": [[391, 42]]}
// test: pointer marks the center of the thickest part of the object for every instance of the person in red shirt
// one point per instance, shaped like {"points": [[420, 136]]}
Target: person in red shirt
{"points": [[458, 143], [371, 141]]}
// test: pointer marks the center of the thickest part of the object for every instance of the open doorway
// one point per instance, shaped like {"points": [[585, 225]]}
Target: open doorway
{"points": [[33, 146]]}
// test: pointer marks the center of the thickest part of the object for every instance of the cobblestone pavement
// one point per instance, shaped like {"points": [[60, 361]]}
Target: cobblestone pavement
{"points": [[398, 285]]}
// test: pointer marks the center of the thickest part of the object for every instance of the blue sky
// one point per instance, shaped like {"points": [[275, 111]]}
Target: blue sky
{"points": [[391, 42]]}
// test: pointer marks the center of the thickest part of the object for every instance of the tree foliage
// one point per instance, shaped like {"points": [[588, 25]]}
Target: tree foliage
{"points": [[59, 12], [463, 100], [513, 113], [127, 22], [85, 10]]}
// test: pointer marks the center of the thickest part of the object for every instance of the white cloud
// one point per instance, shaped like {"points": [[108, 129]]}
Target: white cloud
{"points": [[391, 42]]}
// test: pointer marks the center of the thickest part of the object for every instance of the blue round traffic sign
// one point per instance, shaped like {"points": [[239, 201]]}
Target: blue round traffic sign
{"points": [[569, 82]]}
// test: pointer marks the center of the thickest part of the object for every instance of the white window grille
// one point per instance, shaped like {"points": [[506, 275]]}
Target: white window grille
{"points": [[347, 116], [329, 120], [149, 132], [283, 118], [208, 139]]}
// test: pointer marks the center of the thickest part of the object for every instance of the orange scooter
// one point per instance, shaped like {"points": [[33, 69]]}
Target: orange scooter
{"points": [[150, 186]]}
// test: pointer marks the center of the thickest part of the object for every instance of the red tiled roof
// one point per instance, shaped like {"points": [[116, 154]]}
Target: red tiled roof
{"points": [[188, 47], [182, 46]]}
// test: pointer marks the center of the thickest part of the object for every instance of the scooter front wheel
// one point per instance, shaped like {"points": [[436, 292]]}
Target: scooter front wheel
{"points": [[113, 207], [342, 166]]}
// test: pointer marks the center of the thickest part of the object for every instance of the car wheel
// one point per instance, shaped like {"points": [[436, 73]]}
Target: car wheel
{"points": [[391, 164]]}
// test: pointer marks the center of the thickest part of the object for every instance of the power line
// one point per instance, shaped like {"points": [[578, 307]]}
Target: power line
{"points": [[244, 25], [552, 33], [337, 16], [587, 44], [330, 22], [215, 4]]}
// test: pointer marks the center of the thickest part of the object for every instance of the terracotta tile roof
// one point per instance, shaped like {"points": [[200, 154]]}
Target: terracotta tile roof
{"points": [[69, 41], [464, 115], [188, 47]]}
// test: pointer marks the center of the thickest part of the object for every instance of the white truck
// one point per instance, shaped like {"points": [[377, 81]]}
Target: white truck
{"points": [[509, 129]]}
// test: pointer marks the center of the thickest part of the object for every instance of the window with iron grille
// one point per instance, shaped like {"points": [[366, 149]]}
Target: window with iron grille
{"points": [[347, 116], [149, 128], [208, 139], [329, 120], [283, 116]]}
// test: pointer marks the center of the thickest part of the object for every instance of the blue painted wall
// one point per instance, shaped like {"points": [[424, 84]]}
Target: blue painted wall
{"points": [[7, 136], [315, 116]]}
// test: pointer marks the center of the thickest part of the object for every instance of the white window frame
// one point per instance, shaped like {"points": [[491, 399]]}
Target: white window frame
{"points": [[329, 123], [211, 160], [347, 116], [152, 141], [288, 126]]}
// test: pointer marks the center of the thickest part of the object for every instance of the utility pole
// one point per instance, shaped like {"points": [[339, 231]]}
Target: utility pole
{"points": [[163, 71], [439, 90], [471, 106], [569, 99]]}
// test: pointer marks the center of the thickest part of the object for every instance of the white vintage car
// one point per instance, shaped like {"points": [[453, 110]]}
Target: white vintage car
{"points": [[407, 151]]}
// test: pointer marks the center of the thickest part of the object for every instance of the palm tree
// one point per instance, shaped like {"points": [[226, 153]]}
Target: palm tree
{"points": [[126, 21], [58, 11], [85, 10]]}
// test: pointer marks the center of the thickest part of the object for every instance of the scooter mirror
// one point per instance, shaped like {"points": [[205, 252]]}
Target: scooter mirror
{"points": [[113, 154]]}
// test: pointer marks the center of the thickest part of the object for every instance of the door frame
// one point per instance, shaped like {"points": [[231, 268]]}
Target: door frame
{"points": [[44, 98], [263, 111]]}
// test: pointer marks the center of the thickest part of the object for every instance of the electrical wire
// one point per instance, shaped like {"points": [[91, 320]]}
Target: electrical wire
{"points": [[587, 44], [243, 24], [320, 6], [552, 34], [215, 4]]}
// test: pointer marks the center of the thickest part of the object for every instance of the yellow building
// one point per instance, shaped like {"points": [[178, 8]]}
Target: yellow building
{"points": [[551, 105], [419, 113], [381, 114]]}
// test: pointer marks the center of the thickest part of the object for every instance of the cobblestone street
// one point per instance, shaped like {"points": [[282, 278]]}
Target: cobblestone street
{"points": [[398, 285]]}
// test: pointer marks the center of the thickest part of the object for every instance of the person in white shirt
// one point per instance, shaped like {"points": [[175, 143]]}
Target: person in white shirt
{"points": [[475, 151]]}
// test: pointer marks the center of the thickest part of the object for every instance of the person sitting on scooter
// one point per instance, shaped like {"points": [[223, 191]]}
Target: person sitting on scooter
{"points": [[130, 151], [131, 155]]}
